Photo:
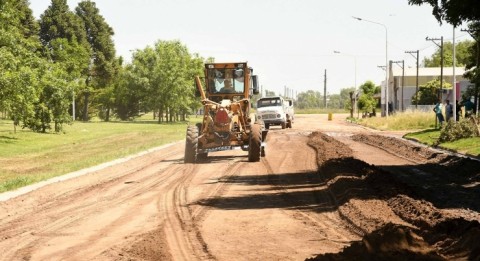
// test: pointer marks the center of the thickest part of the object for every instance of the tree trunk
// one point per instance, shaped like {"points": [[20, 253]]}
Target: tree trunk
{"points": [[160, 115], [85, 106], [351, 102], [107, 114]]}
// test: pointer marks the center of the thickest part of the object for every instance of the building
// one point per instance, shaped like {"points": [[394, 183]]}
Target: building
{"points": [[401, 92]]}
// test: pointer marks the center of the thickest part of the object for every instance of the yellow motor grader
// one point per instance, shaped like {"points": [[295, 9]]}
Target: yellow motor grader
{"points": [[227, 121]]}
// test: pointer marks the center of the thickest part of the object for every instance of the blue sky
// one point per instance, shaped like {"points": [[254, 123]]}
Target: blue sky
{"points": [[288, 43]]}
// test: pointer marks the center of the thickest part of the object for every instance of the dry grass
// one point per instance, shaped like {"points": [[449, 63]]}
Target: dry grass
{"points": [[409, 120]]}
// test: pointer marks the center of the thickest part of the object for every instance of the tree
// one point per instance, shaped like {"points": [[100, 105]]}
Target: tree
{"points": [[63, 35], [160, 78], [462, 53], [103, 64], [309, 99], [335, 101], [130, 93], [428, 94], [367, 101], [345, 101], [454, 12], [21, 60], [472, 66]]}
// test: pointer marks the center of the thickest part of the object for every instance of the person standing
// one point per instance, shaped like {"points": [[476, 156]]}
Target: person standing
{"points": [[459, 110], [468, 104], [448, 110], [438, 112]]}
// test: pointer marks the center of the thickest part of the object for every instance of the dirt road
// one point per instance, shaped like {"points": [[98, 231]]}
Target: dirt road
{"points": [[326, 190]]}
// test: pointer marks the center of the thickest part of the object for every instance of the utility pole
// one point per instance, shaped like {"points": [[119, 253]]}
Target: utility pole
{"points": [[384, 67], [403, 78], [454, 93], [416, 89], [440, 95], [325, 89]]}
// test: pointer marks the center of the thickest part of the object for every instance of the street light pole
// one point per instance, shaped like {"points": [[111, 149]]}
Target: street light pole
{"points": [[416, 90], [355, 79], [386, 60], [403, 77]]}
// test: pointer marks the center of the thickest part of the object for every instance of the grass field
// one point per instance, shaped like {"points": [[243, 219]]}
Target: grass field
{"points": [[319, 111], [27, 157], [401, 121]]}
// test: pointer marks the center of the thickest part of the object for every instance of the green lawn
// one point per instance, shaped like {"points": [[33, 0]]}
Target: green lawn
{"points": [[422, 127], [469, 146], [319, 111], [27, 157]]}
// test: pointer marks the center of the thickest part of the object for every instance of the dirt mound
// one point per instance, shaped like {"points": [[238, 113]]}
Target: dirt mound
{"points": [[391, 242], [148, 246], [424, 211]]}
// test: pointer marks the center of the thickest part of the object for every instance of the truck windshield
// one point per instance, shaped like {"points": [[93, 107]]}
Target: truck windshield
{"points": [[226, 80], [269, 102]]}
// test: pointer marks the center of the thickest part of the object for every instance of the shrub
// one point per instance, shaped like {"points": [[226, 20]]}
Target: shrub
{"points": [[465, 128]]}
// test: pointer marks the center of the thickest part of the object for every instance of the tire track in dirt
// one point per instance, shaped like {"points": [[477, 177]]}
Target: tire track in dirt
{"points": [[103, 202], [182, 224]]}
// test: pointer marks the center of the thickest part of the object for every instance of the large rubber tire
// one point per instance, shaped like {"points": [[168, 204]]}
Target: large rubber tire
{"points": [[191, 145], [289, 124], [284, 125], [200, 156], [255, 143], [267, 126]]}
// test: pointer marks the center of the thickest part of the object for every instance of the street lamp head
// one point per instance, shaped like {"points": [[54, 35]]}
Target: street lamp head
{"points": [[335, 51], [358, 18]]}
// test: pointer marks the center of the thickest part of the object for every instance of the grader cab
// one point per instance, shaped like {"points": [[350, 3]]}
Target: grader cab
{"points": [[227, 122]]}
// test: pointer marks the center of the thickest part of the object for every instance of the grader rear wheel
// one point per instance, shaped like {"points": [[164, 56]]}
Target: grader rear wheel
{"points": [[255, 143]]}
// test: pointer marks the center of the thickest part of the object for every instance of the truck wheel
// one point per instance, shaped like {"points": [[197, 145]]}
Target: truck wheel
{"points": [[255, 143], [284, 125], [267, 126], [262, 153], [289, 124], [191, 145]]}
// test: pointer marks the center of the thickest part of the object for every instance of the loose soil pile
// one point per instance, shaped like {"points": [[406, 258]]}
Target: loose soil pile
{"points": [[424, 211]]}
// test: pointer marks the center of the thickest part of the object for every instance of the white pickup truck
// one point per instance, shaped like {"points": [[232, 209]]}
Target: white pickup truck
{"points": [[275, 111]]}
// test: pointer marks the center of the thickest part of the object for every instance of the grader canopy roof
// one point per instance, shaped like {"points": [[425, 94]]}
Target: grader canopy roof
{"points": [[228, 79]]}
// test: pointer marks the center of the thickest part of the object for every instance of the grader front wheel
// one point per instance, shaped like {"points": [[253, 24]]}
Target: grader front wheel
{"points": [[191, 145]]}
